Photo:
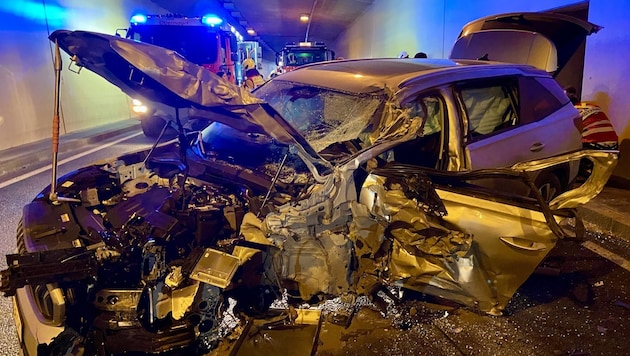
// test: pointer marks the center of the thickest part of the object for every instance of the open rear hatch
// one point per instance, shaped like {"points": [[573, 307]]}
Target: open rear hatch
{"points": [[549, 41]]}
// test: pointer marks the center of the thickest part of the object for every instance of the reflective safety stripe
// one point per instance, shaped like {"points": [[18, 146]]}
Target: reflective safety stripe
{"points": [[596, 127]]}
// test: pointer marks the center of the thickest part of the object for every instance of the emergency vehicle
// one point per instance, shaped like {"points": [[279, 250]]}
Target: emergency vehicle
{"points": [[294, 55], [207, 41]]}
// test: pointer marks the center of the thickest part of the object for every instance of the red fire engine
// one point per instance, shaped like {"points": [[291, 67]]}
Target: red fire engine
{"points": [[207, 41]]}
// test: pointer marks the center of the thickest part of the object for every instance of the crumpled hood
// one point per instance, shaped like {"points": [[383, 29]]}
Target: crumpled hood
{"points": [[162, 75]]}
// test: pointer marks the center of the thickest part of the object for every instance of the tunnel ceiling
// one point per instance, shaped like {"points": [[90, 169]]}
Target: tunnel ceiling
{"points": [[277, 22]]}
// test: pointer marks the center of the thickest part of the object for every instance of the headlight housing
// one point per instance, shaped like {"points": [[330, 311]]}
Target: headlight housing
{"points": [[51, 303]]}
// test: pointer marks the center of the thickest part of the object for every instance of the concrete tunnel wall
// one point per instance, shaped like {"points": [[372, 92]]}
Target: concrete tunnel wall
{"points": [[388, 27], [27, 72]]}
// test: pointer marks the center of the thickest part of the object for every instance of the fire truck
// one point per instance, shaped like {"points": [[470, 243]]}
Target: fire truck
{"points": [[294, 55], [207, 41]]}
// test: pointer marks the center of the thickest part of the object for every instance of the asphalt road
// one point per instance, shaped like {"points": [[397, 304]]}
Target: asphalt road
{"points": [[579, 304]]}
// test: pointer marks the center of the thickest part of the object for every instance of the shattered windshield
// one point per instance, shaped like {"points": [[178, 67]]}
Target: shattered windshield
{"points": [[323, 116]]}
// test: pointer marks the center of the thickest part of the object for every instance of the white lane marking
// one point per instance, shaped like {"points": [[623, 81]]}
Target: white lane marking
{"points": [[611, 256], [63, 161]]}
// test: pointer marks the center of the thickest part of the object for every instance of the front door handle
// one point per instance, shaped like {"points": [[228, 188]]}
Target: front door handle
{"points": [[537, 147], [524, 244]]}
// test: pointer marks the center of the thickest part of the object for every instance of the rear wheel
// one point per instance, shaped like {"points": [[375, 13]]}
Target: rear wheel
{"points": [[548, 185]]}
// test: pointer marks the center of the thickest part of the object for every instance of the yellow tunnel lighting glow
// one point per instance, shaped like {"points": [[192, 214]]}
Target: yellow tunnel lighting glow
{"points": [[304, 17]]}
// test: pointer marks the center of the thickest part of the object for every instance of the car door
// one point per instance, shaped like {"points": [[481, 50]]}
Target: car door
{"points": [[452, 237], [427, 150]]}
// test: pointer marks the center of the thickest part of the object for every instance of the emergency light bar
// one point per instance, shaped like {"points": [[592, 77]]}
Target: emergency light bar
{"points": [[138, 18], [305, 44], [208, 20], [211, 20]]}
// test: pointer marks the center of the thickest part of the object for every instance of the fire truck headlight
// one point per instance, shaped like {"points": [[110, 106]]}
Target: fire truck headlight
{"points": [[138, 107]]}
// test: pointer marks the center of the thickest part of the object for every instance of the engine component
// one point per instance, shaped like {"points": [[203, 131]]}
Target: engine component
{"points": [[118, 300], [208, 309], [41, 267], [215, 268]]}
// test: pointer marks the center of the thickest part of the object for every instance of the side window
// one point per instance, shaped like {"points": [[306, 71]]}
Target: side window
{"points": [[540, 97], [425, 150], [490, 106]]}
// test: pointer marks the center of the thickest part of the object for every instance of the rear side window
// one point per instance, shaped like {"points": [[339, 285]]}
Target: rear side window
{"points": [[540, 97], [490, 106]]}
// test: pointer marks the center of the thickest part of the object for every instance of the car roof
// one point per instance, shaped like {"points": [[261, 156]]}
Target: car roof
{"points": [[373, 75]]}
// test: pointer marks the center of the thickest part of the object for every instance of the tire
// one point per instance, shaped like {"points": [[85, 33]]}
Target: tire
{"points": [[548, 185], [152, 126]]}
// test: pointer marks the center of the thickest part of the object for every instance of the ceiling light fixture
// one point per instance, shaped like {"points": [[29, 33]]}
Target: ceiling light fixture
{"points": [[251, 32], [304, 17]]}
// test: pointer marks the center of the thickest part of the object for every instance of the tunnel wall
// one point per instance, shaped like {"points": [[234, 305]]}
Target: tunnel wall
{"points": [[27, 72], [432, 26]]}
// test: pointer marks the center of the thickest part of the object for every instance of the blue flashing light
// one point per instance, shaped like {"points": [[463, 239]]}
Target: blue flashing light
{"points": [[138, 18], [211, 20]]}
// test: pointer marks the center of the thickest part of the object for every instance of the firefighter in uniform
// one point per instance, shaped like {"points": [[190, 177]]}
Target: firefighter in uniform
{"points": [[253, 78], [597, 131]]}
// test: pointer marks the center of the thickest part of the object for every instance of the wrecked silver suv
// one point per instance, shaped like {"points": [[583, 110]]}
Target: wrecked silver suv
{"points": [[179, 249]]}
